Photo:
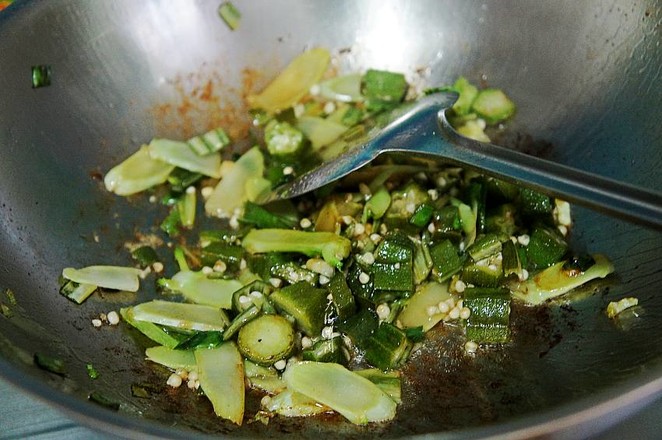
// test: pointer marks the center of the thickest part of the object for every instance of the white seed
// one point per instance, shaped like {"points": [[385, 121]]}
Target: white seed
{"points": [[432, 228], [364, 278], [220, 266], [190, 190], [410, 208], [443, 307], [368, 258], [242, 264], [276, 282], [305, 223], [383, 229], [525, 275], [174, 380], [280, 365], [329, 107], [454, 313], [103, 317], [383, 311], [315, 89], [265, 401], [359, 229], [460, 286], [234, 222], [432, 310], [193, 375], [563, 230], [158, 267], [191, 384], [288, 170], [244, 300], [323, 280], [306, 342], [465, 313], [206, 192], [256, 294], [434, 194], [96, 322], [113, 318], [152, 199], [375, 238], [181, 373], [492, 267], [470, 347], [524, 239], [206, 270], [299, 110], [320, 266], [441, 181]]}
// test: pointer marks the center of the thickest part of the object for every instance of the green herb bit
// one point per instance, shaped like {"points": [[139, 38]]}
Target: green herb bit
{"points": [[104, 400], [262, 218], [145, 255], [230, 15], [210, 142], [333, 248], [49, 363], [11, 297], [91, 371], [41, 76], [202, 339], [171, 224], [6, 311]]}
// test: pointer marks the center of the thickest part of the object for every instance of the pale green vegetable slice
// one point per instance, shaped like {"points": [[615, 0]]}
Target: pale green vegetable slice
{"points": [[473, 129], [263, 378], [181, 155], [345, 88], [152, 331], [181, 315], [387, 381], [200, 289], [108, 277], [415, 313], [221, 376], [556, 281], [289, 403], [353, 396], [137, 173], [171, 358], [293, 82], [320, 131], [230, 193]]}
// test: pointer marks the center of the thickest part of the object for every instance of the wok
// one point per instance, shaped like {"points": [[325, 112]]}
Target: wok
{"points": [[585, 76]]}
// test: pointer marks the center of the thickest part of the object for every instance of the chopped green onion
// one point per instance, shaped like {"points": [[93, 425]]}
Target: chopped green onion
{"points": [[230, 15], [91, 371], [41, 76], [210, 142]]}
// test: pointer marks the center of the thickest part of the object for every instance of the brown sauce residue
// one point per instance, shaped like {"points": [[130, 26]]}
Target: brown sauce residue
{"points": [[204, 100]]}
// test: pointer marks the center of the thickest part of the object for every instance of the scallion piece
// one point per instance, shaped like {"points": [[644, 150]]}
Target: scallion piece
{"points": [[230, 15], [41, 76], [210, 142], [77, 292]]}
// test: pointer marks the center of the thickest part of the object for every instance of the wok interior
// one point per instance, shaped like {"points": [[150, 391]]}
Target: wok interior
{"points": [[583, 75]]}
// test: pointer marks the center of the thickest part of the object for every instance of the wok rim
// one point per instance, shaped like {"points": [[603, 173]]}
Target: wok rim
{"points": [[618, 402]]}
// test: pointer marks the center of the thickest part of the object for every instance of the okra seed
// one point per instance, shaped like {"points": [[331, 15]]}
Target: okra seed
{"points": [[174, 380], [383, 310], [280, 365], [523, 239], [305, 223], [220, 266], [96, 322], [364, 278], [206, 192], [460, 286], [454, 313], [113, 318], [470, 347], [432, 310], [207, 270], [288, 170], [442, 307], [465, 313]]}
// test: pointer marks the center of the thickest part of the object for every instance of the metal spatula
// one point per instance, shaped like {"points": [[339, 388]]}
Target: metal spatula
{"points": [[421, 128]]}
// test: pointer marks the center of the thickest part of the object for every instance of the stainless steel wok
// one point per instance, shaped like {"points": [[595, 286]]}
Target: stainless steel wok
{"points": [[587, 79]]}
